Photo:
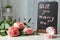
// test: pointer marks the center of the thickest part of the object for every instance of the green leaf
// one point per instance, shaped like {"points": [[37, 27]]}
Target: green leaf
{"points": [[35, 33], [6, 25], [22, 33], [14, 20], [2, 26], [3, 32], [11, 21], [26, 24], [29, 20], [1, 22]]}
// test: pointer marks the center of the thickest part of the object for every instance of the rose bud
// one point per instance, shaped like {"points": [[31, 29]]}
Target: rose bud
{"points": [[19, 25], [51, 30], [13, 32], [28, 31]]}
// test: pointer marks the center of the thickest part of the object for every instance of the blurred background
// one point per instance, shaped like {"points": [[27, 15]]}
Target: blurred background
{"points": [[26, 9]]}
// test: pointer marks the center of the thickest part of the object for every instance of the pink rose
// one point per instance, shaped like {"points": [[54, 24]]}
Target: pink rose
{"points": [[28, 31], [19, 25], [12, 31]]}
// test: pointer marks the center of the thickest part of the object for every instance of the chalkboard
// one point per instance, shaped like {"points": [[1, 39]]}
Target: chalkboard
{"points": [[47, 15]]}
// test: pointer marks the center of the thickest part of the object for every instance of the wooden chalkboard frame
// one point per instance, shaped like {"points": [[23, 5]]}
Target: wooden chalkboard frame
{"points": [[56, 14]]}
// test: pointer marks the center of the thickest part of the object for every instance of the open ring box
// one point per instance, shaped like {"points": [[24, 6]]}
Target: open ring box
{"points": [[50, 32]]}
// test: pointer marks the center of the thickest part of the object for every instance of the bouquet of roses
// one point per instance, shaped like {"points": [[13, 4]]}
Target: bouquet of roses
{"points": [[15, 28]]}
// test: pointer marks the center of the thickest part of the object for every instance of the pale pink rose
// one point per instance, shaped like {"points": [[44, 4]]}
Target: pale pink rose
{"points": [[12, 31], [28, 31], [19, 25]]}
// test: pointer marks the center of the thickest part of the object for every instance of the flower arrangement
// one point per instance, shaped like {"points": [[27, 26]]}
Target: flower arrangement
{"points": [[15, 28]]}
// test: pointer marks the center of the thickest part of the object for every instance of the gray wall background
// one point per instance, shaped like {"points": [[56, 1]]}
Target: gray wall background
{"points": [[28, 9]]}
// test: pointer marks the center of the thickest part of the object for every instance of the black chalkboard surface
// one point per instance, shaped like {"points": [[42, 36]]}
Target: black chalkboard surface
{"points": [[47, 15]]}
